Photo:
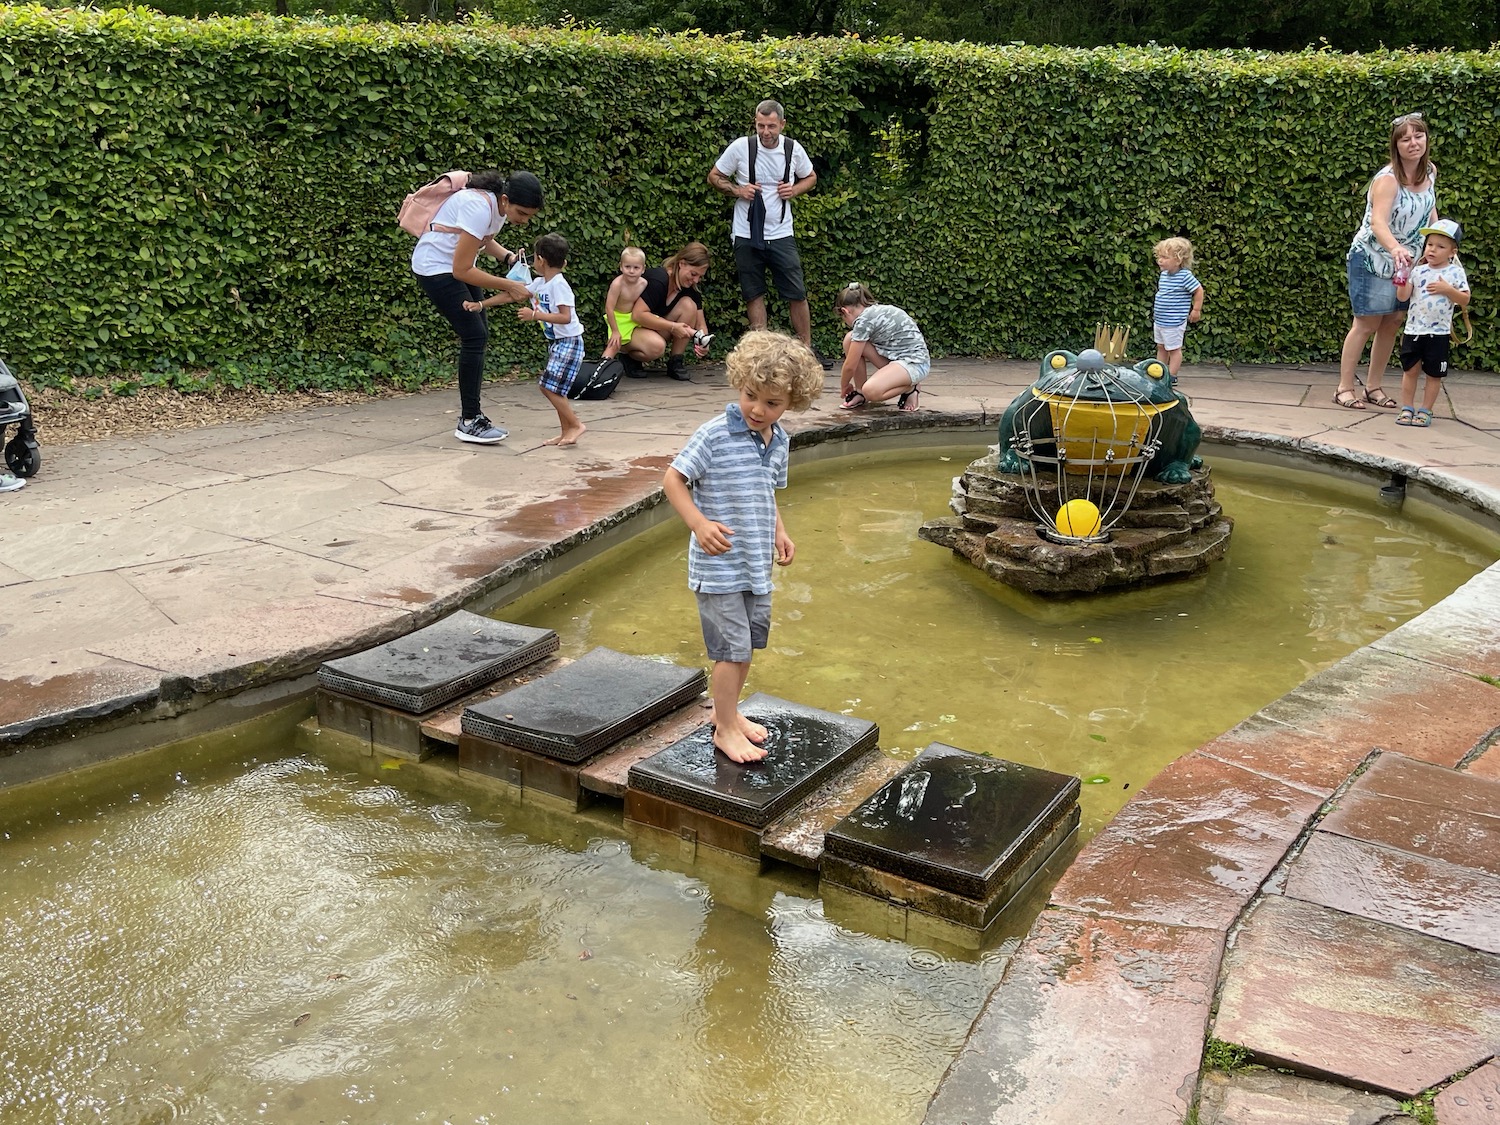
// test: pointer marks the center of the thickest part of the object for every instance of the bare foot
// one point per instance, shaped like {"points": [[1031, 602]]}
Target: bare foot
{"points": [[567, 437], [752, 730], [736, 747]]}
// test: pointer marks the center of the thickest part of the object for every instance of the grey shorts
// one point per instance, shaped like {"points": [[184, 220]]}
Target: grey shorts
{"points": [[734, 624], [780, 257]]}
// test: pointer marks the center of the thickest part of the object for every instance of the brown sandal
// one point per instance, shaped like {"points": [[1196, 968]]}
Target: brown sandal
{"points": [[1376, 396], [1351, 403]]}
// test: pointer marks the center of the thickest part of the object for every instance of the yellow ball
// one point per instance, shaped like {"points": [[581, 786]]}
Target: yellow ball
{"points": [[1078, 519]]}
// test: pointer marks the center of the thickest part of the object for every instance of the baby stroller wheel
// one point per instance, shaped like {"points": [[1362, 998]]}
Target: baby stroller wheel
{"points": [[23, 456]]}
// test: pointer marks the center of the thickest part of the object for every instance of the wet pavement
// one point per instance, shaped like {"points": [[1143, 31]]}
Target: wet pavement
{"points": [[1319, 886]]}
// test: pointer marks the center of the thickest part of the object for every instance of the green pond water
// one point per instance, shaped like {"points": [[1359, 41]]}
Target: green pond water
{"points": [[240, 928], [872, 621]]}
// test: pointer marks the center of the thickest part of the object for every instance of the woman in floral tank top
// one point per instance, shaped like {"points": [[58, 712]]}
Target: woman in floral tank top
{"points": [[1400, 201]]}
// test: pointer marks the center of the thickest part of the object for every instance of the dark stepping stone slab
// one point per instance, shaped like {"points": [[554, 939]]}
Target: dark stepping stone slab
{"points": [[805, 746], [1367, 1004], [452, 657], [956, 820], [578, 710]]}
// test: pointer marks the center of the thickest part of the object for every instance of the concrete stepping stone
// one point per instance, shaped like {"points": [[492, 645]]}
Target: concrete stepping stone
{"points": [[955, 834], [693, 792], [535, 737], [1264, 1097], [1426, 896], [1365, 1003], [384, 695]]}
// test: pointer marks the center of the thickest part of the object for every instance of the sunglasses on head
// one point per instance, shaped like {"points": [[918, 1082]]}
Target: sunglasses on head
{"points": [[1406, 119]]}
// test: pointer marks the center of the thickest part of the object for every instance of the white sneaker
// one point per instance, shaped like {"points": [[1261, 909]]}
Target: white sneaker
{"points": [[9, 482], [480, 430]]}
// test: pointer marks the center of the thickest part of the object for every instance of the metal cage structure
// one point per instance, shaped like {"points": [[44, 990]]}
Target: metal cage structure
{"points": [[1095, 443]]}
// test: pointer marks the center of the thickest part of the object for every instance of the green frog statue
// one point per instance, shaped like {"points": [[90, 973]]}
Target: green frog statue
{"points": [[1133, 407]]}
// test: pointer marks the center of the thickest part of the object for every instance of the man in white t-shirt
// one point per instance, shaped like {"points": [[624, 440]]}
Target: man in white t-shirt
{"points": [[762, 226]]}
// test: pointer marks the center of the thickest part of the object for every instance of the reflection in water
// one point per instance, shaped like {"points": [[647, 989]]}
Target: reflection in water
{"points": [[873, 622]]}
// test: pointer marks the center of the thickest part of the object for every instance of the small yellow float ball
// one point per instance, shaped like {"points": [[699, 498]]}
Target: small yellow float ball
{"points": [[1078, 519]]}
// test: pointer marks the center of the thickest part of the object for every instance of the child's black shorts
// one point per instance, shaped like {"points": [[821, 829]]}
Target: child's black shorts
{"points": [[1430, 351]]}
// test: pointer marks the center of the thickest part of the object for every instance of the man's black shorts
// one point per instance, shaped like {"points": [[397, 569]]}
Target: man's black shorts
{"points": [[1430, 351], [781, 258]]}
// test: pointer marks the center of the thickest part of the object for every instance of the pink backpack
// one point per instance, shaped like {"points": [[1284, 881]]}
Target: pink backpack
{"points": [[418, 208]]}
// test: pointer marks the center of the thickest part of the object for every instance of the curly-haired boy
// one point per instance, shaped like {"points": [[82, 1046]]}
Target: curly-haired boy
{"points": [[723, 485]]}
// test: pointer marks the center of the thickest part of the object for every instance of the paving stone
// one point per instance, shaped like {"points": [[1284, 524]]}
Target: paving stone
{"points": [[279, 641], [1142, 991], [268, 506], [1393, 775], [1423, 895], [244, 578], [34, 615], [1487, 764], [74, 687], [1191, 849], [1473, 1100], [1456, 836], [1368, 1004], [1265, 1097], [1462, 631]]}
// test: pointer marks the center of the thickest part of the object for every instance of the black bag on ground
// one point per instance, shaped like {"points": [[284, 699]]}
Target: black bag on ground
{"points": [[597, 378]]}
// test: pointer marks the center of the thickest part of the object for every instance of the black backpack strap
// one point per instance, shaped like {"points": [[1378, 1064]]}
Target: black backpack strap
{"points": [[786, 173], [752, 142]]}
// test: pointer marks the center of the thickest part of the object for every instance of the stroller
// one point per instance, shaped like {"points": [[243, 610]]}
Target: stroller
{"points": [[23, 456]]}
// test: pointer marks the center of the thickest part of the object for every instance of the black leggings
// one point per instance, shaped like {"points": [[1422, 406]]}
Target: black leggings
{"points": [[449, 294]]}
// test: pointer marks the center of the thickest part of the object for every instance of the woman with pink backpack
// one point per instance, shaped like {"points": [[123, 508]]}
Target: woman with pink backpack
{"points": [[445, 265]]}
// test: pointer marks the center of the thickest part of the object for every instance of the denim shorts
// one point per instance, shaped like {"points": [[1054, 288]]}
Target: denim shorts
{"points": [[1370, 295], [734, 624]]}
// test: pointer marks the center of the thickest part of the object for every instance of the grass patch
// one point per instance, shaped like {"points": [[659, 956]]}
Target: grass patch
{"points": [[1420, 1108], [1224, 1056]]}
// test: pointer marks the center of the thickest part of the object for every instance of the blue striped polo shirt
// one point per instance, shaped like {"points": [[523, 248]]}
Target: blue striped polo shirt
{"points": [[1174, 298], [734, 476]]}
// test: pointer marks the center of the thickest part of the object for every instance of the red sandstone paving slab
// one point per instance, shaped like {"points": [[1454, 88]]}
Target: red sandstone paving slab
{"points": [[1460, 632], [278, 641], [1487, 764], [1472, 1100], [44, 691], [1264, 1097], [1423, 895], [1191, 849], [1394, 775], [1368, 1004], [1463, 838], [37, 616], [1319, 731], [1096, 1020], [372, 536], [440, 577]]}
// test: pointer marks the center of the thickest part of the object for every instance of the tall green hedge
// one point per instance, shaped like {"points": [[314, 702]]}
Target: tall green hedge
{"points": [[197, 193]]}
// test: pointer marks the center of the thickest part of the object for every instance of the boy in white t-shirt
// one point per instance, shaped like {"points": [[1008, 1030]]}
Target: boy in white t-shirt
{"points": [[1437, 284], [552, 304]]}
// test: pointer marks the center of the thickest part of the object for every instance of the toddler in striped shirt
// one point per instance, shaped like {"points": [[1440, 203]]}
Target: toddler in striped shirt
{"points": [[1179, 300]]}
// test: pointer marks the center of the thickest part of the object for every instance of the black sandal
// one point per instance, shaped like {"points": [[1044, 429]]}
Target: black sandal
{"points": [[1376, 396]]}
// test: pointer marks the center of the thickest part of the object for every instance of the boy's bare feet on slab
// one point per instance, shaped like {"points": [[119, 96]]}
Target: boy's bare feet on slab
{"points": [[752, 730], [736, 747]]}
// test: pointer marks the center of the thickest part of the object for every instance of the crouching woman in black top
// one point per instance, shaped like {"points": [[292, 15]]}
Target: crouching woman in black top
{"points": [[669, 314]]}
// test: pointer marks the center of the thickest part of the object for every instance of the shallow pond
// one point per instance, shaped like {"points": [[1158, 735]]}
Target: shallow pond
{"points": [[872, 621], [237, 929]]}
